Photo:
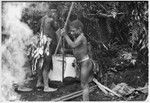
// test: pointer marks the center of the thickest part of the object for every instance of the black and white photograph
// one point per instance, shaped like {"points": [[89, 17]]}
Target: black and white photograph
{"points": [[74, 51]]}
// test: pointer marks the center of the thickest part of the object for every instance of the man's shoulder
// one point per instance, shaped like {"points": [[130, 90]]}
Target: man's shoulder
{"points": [[46, 19], [45, 16], [83, 36]]}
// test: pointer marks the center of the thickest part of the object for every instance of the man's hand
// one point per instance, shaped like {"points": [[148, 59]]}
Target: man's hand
{"points": [[63, 32], [58, 32]]}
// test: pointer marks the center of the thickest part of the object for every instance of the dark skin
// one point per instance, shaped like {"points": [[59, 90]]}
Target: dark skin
{"points": [[80, 48], [79, 45]]}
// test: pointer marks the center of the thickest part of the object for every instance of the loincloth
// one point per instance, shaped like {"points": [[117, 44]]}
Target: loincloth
{"points": [[84, 59], [89, 75]]}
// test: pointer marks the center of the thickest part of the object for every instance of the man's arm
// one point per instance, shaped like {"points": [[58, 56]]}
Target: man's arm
{"points": [[55, 24], [42, 24], [74, 44]]}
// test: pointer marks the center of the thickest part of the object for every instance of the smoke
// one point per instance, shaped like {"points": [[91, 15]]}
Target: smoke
{"points": [[13, 49]]}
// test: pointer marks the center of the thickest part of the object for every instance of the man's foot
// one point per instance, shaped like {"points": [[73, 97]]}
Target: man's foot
{"points": [[48, 89], [39, 84], [25, 89]]}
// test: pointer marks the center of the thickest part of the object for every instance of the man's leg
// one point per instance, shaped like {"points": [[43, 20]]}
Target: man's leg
{"points": [[46, 70], [85, 95], [39, 72], [86, 67]]}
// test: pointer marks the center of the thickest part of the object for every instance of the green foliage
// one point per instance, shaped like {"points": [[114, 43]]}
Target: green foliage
{"points": [[137, 24]]}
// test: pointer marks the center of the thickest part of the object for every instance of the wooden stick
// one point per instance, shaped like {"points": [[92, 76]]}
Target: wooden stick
{"points": [[79, 94], [64, 27], [58, 45], [141, 88], [73, 95], [102, 87], [63, 59]]}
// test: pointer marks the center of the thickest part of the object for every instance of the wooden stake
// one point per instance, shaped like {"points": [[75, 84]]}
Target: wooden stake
{"points": [[63, 61], [104, 88], [64, 27], [73, 95]]}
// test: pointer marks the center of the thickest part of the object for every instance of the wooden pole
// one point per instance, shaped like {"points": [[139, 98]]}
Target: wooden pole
{"points": [[64, 27], [102, 87], [62, 39], [73, 95], [63, 57]]}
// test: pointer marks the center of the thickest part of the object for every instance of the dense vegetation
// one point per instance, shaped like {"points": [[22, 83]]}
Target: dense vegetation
{"points": [[117, 32]]}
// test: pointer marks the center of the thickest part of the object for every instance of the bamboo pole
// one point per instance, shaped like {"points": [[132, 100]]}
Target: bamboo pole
{"points": [[79, 94], [73, 95], [62, 39], [64, 27], [102, 87]]}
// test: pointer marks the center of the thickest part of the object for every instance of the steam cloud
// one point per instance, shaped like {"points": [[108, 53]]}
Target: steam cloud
{"points": [[13, 49]]}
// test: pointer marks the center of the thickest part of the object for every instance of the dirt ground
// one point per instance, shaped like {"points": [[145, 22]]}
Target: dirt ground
{"points": [[67, 88]]}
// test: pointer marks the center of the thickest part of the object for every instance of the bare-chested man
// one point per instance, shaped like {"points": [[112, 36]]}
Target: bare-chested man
{"points": [[80, 50], [49, 26]]}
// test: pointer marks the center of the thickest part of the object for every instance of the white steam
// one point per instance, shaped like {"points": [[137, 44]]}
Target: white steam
{"points": [[13, 50]]}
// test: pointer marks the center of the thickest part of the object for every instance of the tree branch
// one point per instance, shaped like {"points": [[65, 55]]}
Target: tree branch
{"points": [[103, 7], [104, 15]]}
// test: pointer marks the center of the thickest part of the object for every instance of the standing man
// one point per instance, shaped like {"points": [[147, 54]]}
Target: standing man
{"points": [[80, 51], [49, 26]]}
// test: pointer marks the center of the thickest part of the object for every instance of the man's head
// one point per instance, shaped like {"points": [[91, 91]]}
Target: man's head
{"points": [[52, 12], [76, 27]]}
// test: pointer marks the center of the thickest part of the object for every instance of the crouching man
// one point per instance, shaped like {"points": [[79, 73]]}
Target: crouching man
{"points": [[80, 51]]}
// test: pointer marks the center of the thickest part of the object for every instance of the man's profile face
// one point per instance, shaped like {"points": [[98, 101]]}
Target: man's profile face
{"points": [[74, 31]]}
